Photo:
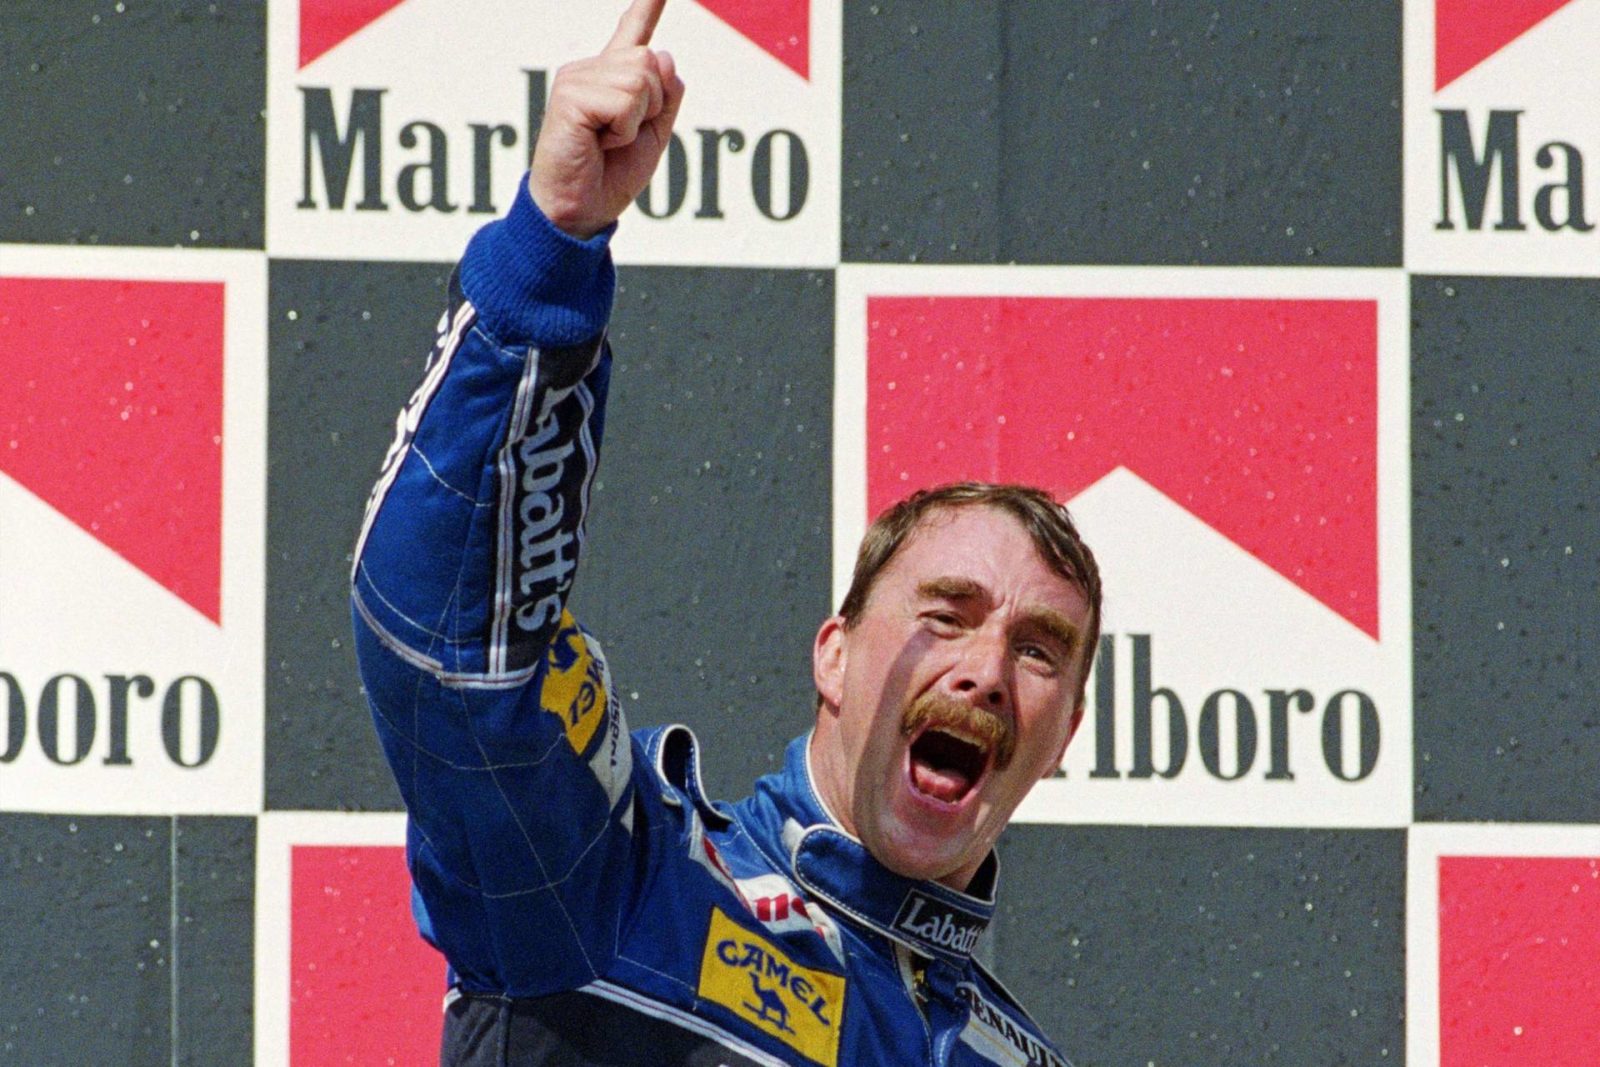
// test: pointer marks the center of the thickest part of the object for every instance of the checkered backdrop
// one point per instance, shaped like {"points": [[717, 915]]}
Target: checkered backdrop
{"points": [[1293, 302]]}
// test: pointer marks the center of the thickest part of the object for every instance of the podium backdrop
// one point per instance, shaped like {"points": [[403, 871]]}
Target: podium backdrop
{"points": [[1298, 305]]}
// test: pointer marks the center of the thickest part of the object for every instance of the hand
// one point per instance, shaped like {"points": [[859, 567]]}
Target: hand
{"points": [[606, 122]]}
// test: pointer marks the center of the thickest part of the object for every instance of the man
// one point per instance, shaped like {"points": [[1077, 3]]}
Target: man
{"points": [[594, 905]]}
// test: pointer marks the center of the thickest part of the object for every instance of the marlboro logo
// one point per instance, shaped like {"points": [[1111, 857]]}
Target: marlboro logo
{"points": [[398, 127], [132, 468], [1232, 444], [1499, 132]]}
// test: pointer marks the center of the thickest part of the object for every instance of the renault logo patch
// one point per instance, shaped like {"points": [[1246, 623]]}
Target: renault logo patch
{"points": [[998, 1037]]}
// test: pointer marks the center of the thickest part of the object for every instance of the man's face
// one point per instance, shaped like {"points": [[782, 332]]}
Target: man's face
{"points": [[950, 696]]}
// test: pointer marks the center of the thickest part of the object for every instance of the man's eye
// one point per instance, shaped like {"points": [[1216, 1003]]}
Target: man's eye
{"points": [[944, 620], [1039, 654]]}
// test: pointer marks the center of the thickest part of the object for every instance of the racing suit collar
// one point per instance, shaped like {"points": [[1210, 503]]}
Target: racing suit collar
{"points": [[787, 818]]}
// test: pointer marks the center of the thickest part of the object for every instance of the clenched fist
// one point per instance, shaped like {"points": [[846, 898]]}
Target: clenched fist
{"points": [[606, 122]]}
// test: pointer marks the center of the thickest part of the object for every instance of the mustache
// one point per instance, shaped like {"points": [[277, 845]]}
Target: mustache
{"points": [[936, 709]]}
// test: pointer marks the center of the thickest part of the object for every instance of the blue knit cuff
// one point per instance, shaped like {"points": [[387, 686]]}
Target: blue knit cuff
{"points": [[532, 284]]}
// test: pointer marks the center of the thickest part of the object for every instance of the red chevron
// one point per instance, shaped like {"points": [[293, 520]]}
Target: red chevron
{"points": [[1519, 958], [779, 27], [358, 973], [111, 412], [324, 24], [1466, 32], [1258, 416]]}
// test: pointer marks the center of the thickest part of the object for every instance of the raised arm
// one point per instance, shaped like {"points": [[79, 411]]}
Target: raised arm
{"points": [[493, 706]]}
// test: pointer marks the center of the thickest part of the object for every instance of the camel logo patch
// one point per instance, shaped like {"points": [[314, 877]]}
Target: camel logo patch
{"points": [[755, 980]]}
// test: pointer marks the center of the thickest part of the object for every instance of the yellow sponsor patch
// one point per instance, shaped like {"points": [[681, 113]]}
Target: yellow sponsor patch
{"points": [[748, 975], [573, 689]]}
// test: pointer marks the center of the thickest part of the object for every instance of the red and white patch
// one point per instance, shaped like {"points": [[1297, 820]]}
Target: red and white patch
{"points": [[1501, 150], [1233, 445], [342, 975], [1503, 945], [704, 852], [132, 452], [398, 127], [778, 905]]}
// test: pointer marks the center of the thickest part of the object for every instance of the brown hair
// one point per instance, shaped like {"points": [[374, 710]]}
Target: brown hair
{"points": [[1047, 522]]}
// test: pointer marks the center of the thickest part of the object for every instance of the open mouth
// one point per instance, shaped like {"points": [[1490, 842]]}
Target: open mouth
{"points": [[946, 765]]}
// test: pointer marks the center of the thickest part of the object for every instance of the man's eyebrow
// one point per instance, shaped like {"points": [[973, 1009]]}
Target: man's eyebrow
{"points": [[1053, 624], [950, 588], [1056, 625]]}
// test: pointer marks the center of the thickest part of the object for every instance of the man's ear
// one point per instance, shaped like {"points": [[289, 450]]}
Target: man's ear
{"points": [[828, 660], [1072, 731]]}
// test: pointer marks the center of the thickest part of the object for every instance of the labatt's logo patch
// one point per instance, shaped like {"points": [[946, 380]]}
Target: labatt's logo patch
{"points": [[926, 920], [574, 687], [996, 1036], [755, 980]]}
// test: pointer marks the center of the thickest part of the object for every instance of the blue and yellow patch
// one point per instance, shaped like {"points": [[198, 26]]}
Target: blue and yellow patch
{"points": [[757, 981], [574, 686]]}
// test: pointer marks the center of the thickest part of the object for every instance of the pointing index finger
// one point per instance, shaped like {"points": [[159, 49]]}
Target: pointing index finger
{"points": [[637, 24]]}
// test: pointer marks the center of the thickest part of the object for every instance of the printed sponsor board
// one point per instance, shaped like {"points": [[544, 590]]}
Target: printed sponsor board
{"points": [[398, 127], [1502, 944], [1501, 146], [342, 975], [132, 487], [1233, 444]]}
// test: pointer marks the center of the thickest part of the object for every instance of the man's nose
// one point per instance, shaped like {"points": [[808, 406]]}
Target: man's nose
{"points": [[980, 675]]}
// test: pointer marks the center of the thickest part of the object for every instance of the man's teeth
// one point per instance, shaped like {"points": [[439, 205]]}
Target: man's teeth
{"points": [[965, 738]]}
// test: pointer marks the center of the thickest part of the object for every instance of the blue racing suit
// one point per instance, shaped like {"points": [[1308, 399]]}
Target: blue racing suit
{"points": [[594, 906]]}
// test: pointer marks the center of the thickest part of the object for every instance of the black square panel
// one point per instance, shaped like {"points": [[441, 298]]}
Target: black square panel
{"points": [[86, 900], [99, 943], [1505, 481], [346, 344], [1159, 133], [707, 568], [709, 543], [921, 169], [215, 922], [133, 123], [1134, 945]]}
